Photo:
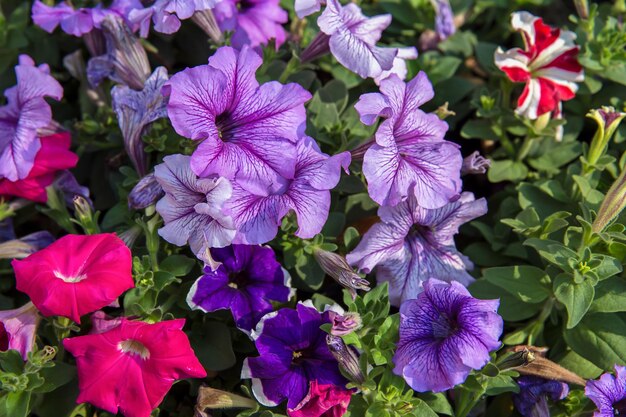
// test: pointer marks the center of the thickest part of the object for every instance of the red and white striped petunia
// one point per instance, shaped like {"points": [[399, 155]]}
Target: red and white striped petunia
{"points": [[548, 65]]}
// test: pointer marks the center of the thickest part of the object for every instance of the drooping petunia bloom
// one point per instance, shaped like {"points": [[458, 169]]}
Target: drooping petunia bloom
{"points": [[253, 22], [323, 400], [608, 393], [532, 400], [445, 333], [444, 19], [410, 154], [548, 66], [145, 193], [76, 274], [292, 353], [132, 366], [248, 278], [475, 163], [412, 244], [53, 156], [247, 132], [18, 329], [257, 216], [25, 112], [399, 64], [192, 207]]}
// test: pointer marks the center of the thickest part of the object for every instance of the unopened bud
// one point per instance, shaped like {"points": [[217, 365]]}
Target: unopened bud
{"points": [[537, 365], [337, 267], [344, 324], [205, 19], [608, 120], [211, 398], [475, 164], [84, 215], [145, 193], [347, 358]]}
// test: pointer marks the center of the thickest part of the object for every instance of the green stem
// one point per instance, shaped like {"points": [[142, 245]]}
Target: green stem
{"points": [[525, 149], [467, 402]]}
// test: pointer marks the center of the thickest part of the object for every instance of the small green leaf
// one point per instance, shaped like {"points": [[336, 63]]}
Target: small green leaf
{"points": [[528, 283], [177, 265], [576, 297], [507, 170]]}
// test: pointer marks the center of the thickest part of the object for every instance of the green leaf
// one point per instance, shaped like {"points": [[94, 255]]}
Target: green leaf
{"points": [[15, 404], [177, 265], [11, 361], [511, 308], [528, 283], [58, 375], [610, 296], [507, 170], [576, 297], [437, 402], [608, 267], [212, 343], [599, 338], [554, 252]]}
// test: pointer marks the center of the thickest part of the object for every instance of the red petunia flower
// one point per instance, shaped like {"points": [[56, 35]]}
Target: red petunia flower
{"points": [[76, 274], [323, 400]]}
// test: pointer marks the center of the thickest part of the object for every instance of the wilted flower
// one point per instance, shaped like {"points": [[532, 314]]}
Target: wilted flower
{"points": [[445, 333], [253, 22], [444, 19], [248, 278], [346, 356], [76, 274], [399, 64], [24, 246], [412, 244], [145, 193], [322, 400], [532, 400], [132, 366], [18, 329], [608, 393], [608, 120], [212, 398], [475, 164], [337, 267], [293, 353], [344, 323]]}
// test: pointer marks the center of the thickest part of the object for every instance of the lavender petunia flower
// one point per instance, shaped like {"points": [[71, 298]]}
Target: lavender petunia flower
{"points": [[608, 393], [257, 215], [532, 400], [444, 19], [305, 8], [192, 207], [412, 244], [247, 132], [248, 278], [18, 329], [444, 334], [145, 193], [292, 353], [410, 152], [25, 112], [136, 110], [399, 64]]}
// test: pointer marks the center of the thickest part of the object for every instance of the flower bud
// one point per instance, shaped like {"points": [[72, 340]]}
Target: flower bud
{"points": [[212, 398], [84, 215], [608, 120], [337, 267], [344, 324], [205, 19], [347, 357], [475, 164], [537, 365], [145, 193]]}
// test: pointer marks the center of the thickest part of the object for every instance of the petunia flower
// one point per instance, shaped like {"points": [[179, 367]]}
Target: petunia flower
{"points": [[475, 163], [548, 65], [192, 207], [257, 216], [18, 329], [608, 393], [26, 111], [412, 244], [253, 22], [76, 274], [136, 110], [304, 8], [292, 353], [323, 400], [53, 156], [132, 366], [445, 333], [66, 183], [247, 131], [410, 153], [444, 19], [532, 399], [248, 278], [145, 193], [399, 64]]}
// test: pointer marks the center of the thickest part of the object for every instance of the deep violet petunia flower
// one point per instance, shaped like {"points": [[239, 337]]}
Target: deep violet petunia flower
{"points": [[248, 278], [53, 157], [18, 329], [26, 111], [412, 244], [192, 207], [323, 400], [410, 153], [608, 393], [247, 131], [292, 353], [548, 66], [445, 333], [399, 64], [76, 274], [532, 399], [253, 22], [132, 366], [257, 216]]}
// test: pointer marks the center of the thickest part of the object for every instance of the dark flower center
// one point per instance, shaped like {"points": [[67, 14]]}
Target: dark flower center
{"points": [[619, 408], [444, 326], [237, 279], [300, 356], [4, 338], [221, 122]]}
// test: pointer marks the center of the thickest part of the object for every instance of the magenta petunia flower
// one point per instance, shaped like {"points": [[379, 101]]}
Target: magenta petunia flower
{"points": [[167, 14], [323, 400], [18, 329], [248, 278], [608, 393], [257, 216], [412, 244], [25, 112], [445, 333], [132, 366], [410, 153], [292, 353], [534, 392], [253, 22], [76, 274]]}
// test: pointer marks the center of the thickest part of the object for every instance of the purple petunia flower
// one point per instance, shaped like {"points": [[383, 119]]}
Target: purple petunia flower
{"points": [[245, 282], [399, 64], [257, 215], [412, 244], [292, 353], [305, 8], [25, 112], [410, 152], [18, 329], [192, 207], [608, 393], [444, 19], [532, 400], [444, 334], [247, 132]]}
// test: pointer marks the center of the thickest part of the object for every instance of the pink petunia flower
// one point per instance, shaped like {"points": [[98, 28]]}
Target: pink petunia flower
{"points": [[76, 274], [548, 65], [323, 400], [18, 328], [132, 366]]}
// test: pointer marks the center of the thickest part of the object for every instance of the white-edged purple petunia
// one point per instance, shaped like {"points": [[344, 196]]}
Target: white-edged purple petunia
{"points": [[26, 111], [445, 333], [257, 215], [608, 393], [412, 244], [410, 153], [192, 207], [167, 14]]}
